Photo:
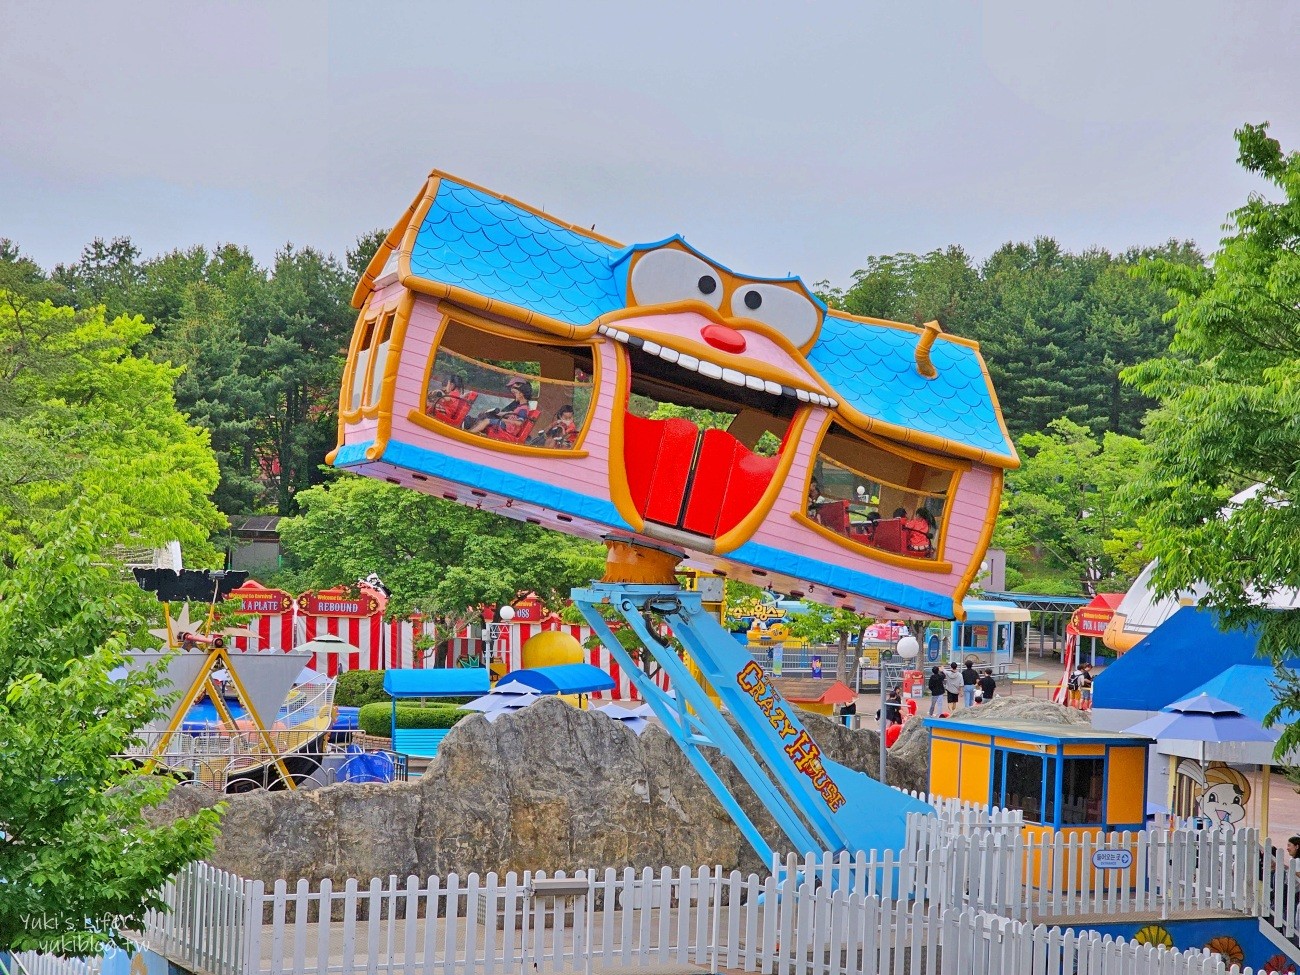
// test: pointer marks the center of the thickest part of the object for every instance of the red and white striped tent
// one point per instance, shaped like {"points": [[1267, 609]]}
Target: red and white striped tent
{"points": [[283, 622]]}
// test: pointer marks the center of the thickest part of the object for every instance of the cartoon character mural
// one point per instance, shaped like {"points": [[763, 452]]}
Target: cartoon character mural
{"points": [[510, 361], [1217, 792]]}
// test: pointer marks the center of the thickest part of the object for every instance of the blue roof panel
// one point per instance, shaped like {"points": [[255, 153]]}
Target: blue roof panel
{"points": [[439, 682], [464, 226], [873, 369]]}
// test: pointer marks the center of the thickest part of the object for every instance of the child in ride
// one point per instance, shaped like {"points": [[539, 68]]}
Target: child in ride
{"points": [[509, 419]]}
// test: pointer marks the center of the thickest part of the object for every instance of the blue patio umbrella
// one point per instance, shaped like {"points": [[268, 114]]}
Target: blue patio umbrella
{"points": [[1202, 719]]}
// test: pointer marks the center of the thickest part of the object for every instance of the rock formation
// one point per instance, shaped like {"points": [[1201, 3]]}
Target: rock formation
{"points": [[547, 787]]}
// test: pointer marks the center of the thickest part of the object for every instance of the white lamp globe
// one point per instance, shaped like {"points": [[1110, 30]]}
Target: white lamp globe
{"points": [[506, 614], [908, 648]]}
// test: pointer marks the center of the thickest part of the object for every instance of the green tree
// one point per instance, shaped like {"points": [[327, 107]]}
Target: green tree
{"points": [[76, 849], [79, 413], [107, 274], [822, 625], [1229, 416], [1063, 506]]}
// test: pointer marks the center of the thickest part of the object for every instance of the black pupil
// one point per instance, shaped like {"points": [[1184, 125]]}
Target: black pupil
{"points": [[707, 284], [753, 299]]}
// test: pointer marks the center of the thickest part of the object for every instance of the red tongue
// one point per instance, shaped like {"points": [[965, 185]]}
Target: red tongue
{"points": [[712, 497]]}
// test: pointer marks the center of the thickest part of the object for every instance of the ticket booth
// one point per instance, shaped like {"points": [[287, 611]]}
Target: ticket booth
{"points": [[987, 634], [1063, 778]]}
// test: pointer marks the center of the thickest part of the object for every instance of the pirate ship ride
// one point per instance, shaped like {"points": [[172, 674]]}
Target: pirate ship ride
{"points": [[510, 361], [241, 720]]}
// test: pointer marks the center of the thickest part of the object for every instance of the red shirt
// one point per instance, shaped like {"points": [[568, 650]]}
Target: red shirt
{"points": [[891, 734]]}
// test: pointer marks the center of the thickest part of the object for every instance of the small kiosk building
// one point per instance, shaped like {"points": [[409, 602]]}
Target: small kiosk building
{"points": [[1062, 777]]}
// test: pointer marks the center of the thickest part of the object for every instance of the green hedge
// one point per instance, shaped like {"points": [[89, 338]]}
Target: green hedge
{"points": [[376, 719], [357, 688]]}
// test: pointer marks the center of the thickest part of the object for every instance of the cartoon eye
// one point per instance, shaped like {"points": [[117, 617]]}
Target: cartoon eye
{"points": [[785, 310], [671, 275]]}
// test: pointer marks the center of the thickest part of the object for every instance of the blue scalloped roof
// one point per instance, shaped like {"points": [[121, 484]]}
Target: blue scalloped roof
{"points": [[475, 241], [873, 369]]}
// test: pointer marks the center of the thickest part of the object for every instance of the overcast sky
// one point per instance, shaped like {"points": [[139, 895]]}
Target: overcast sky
{"points": [[778, 137]]}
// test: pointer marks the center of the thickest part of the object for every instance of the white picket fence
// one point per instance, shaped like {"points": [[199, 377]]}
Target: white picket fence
{"points": [[808, 924], [1279, 892], [32, 963]]}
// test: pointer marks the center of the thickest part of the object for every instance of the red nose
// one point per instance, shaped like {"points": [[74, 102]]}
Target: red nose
{"points": [[723, 338]]}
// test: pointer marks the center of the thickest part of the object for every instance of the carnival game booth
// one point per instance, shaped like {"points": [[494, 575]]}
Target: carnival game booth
{"points": [[1061, 777], [280, 621]]}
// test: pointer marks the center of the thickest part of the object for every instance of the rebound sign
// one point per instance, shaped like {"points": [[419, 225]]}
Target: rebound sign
{"points": [[1112, 859]]}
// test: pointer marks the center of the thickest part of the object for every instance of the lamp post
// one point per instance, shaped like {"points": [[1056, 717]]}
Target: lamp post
{"points": [[505, 614], [907, 648]]}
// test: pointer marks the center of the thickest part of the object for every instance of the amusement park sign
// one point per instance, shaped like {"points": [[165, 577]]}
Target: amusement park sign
{"points": [[1087, 621], [262, 602], [802, 750], [337, 602]]}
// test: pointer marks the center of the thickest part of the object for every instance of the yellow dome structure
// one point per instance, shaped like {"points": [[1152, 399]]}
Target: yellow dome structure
{"points": [[551, 648]]}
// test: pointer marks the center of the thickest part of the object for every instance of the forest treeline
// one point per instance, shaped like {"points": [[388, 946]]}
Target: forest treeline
{"points": [[258, 352]]}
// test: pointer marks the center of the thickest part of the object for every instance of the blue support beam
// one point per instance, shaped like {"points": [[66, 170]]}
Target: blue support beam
{"points": [[819, 804]]}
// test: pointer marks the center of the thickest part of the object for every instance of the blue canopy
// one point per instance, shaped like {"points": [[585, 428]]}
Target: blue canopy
{"points": [[437, 682], [1175, 659], [565, 679]]}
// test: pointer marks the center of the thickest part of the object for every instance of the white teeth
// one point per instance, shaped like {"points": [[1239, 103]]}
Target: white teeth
{"points": [[712, 370]]}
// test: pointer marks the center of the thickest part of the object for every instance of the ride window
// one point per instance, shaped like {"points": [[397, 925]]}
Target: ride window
{"points": [[876, 497], [367, 378], [509, 390], [1020, 784], [1081, 785], [383, 334]]}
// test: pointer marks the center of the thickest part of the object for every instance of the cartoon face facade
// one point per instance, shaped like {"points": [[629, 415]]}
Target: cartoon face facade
{"points": [[508, 361]]}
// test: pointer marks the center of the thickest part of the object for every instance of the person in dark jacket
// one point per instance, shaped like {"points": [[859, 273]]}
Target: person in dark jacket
{"points": [[935, 685], [988, 686], [969, 678]]}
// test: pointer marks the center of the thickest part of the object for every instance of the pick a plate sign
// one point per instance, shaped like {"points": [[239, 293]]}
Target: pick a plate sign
{"points": [[1112, 859]]}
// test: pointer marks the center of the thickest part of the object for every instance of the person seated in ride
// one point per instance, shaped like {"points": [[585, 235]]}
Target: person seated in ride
{"points": [[563, 432], [510, 419], [920, 531], [446, 404], [815, 499]]}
